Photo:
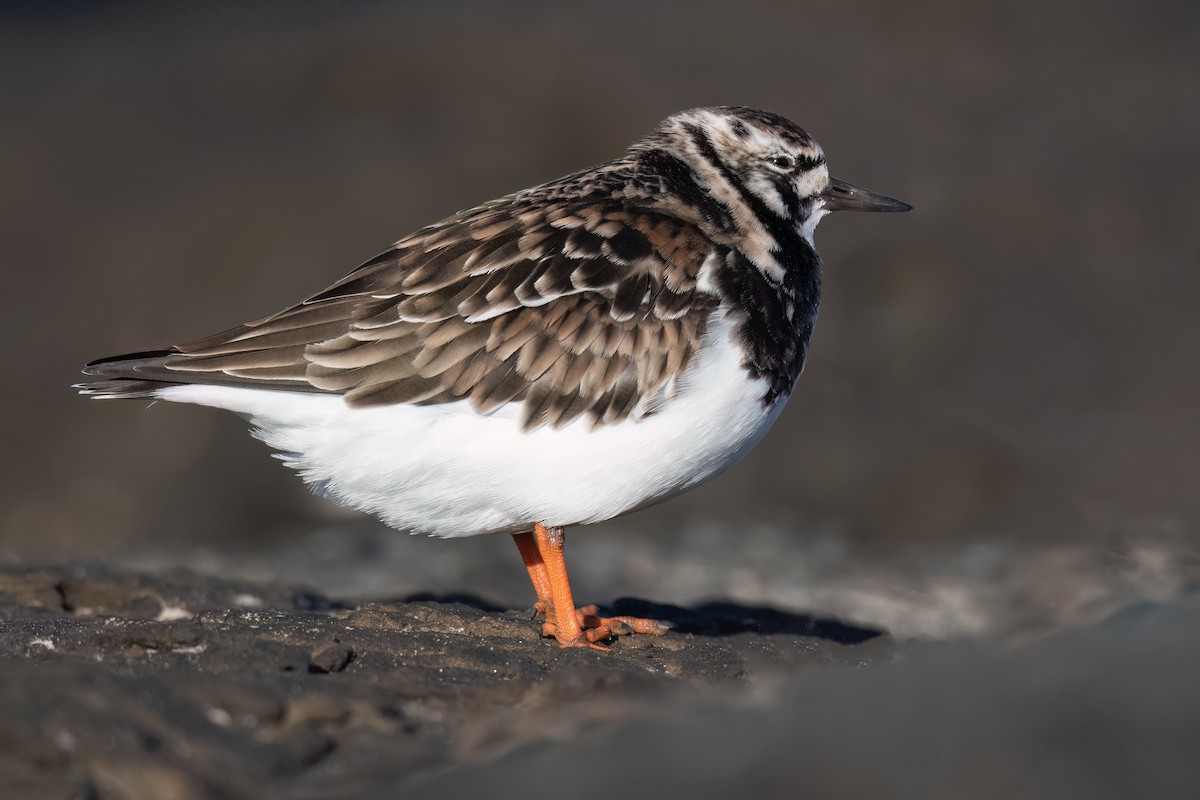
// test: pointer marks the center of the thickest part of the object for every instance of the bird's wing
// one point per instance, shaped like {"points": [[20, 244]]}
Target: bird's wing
{"points": [[578, 309]]}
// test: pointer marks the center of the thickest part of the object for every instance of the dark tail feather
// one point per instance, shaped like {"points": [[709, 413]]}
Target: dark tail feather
{"points": [[130, 375], [143, 374]]}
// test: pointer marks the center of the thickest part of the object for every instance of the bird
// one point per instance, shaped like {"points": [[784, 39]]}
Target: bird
{"points": [[556, 357]]}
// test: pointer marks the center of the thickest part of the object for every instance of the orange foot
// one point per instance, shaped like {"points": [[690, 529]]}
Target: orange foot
{"points": [[542, 551], [596, 628]]}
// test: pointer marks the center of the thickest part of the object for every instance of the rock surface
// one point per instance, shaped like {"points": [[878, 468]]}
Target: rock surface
{"points": [[119, 685], [116, 685]]}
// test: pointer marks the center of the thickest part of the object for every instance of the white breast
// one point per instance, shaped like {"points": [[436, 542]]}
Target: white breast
{"points": [[449, 471]]}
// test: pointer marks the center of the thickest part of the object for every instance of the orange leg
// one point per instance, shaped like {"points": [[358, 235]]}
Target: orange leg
{"points": [[542, 552], [561, 614], [537, 570]]}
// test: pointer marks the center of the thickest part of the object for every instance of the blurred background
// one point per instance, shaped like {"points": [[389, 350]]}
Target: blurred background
{"points": [[999, 426]]}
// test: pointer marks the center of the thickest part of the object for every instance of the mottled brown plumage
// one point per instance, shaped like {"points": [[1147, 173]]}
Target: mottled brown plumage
{"points": [[584, 307]]}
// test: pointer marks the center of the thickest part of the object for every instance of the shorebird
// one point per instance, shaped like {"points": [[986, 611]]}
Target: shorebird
{"points": [[556, 357]]}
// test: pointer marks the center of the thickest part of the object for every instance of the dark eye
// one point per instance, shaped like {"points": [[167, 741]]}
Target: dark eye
{"points": [[782, 163]]}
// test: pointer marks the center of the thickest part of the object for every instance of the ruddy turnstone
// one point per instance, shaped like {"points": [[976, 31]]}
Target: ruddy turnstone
{"points": [[555, 357]]}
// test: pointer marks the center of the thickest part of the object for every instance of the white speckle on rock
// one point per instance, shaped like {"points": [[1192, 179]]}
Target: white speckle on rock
{"points": [[246, 600], [170, 613], [219, 716]]}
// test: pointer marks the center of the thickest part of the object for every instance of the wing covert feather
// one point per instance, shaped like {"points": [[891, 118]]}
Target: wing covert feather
{"points": [[591, 309]]}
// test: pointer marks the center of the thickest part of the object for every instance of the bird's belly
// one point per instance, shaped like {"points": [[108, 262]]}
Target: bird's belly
{"points": [[447, 470]]}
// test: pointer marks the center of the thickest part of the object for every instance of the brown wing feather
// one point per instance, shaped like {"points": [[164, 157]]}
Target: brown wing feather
{"points": [[591, 309]]}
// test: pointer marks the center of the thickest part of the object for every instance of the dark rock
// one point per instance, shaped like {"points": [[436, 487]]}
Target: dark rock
{"points": [[425, 698], [184, 686], [333, 658]]}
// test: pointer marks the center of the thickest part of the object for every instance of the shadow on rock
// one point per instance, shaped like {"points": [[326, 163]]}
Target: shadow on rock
{"points": [[714, 618], [726, 618]]}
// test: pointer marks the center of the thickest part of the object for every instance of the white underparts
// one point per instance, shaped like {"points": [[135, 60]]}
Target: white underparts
{"points": [[447, 470]]}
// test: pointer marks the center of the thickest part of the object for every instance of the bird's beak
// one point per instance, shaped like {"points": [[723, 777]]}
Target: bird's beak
{"points": [[842, 196]]}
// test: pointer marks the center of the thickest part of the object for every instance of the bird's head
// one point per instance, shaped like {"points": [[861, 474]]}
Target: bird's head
{"points": [[758, 166]]}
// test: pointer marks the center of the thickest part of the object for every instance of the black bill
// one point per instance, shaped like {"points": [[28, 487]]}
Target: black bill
{"points": [[842, 196]]}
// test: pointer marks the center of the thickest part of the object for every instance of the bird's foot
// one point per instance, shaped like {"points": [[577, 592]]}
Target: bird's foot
{"points": [[595, 628]]}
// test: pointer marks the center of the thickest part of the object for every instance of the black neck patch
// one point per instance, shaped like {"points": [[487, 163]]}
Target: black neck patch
{"points": [[777, 318]]}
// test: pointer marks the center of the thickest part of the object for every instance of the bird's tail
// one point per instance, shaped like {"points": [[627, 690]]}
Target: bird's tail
{"points": [[128, 376]]}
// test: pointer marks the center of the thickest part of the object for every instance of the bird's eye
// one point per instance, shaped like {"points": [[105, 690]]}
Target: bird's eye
{"points": [[782, 163]]}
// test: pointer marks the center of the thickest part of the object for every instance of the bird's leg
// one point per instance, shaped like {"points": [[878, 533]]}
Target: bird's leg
{"points": [[561, 620], [542, 552], [537, 571]]}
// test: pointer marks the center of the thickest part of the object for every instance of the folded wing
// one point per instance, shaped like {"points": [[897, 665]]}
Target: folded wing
{"points": [[582, 309]]}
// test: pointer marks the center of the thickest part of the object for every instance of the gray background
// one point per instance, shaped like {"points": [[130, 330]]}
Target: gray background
{"points": [[998, 426]]}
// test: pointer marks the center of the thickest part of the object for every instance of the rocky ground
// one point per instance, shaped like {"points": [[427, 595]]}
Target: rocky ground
{"points": [[179, 685], [117, 684]]}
